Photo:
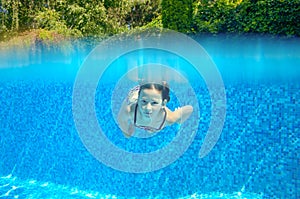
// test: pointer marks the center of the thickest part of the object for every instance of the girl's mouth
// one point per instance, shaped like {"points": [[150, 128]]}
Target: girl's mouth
{"points": [[148, 114]]}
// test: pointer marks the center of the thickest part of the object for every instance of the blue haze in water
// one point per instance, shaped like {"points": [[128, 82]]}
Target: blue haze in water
{"points": [[256, 156]]}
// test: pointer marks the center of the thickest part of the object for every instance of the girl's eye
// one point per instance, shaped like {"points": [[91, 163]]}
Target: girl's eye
{"points": [[154, 103]]}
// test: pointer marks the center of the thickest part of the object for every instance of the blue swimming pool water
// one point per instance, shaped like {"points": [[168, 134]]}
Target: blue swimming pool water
{"points": [[42, 155]]}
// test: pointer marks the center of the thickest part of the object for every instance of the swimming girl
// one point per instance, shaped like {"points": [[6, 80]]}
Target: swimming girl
{"points": [[145, 108]]}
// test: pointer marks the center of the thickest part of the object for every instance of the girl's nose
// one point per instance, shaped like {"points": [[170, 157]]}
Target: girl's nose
{"points": [[148, 106]]}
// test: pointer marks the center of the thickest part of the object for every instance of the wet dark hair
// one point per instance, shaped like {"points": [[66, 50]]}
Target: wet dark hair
{"points": [[163, 87]]}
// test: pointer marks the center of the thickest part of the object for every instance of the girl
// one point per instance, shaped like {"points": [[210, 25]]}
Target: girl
{"points": [[145, 108]]}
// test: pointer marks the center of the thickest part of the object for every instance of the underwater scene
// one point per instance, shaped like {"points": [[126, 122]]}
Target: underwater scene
{"points": [[59, 135]]}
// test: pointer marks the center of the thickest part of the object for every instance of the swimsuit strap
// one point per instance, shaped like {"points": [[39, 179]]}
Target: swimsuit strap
{"points": [[135, 112], [164, 119]]}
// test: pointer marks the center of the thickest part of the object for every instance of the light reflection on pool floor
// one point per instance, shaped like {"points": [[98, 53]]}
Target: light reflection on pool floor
{"points": [[12, 187]]}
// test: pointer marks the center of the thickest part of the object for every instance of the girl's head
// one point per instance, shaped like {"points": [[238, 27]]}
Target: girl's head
{"points": [[152, 98], [163, 88]]}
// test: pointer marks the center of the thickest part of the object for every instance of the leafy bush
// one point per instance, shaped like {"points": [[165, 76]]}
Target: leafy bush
{"points": [[262, 16], [155, 23], [269, 16], [213, 16], [177, 15], [89, 19], [50, 20], [142, 13], [81, 18]]}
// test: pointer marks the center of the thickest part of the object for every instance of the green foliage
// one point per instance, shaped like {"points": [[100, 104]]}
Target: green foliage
{"points": [[262, 16], [49, 19], [89, 19], [214, 16], [111, 3], [46, 36], [270, 16], [100, 18], [142, 12], [177, 15], [116, 15], [155, 23]]}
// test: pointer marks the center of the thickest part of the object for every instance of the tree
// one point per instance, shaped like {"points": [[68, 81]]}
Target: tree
{"points": [[177, 15]]}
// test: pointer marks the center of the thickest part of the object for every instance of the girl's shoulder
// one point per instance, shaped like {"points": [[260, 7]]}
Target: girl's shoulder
{"points": [[171, 116], [132, 107]]}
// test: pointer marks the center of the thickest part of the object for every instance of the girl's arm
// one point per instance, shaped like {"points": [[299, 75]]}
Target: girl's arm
{"points": [[124, 119], [181, 114]]}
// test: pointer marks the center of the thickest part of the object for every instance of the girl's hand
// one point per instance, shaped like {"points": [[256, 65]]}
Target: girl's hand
{"points": [[130, 131], [131, 128]]}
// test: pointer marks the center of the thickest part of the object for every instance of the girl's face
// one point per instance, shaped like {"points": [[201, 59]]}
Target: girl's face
{"points": [[150, 102]]}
